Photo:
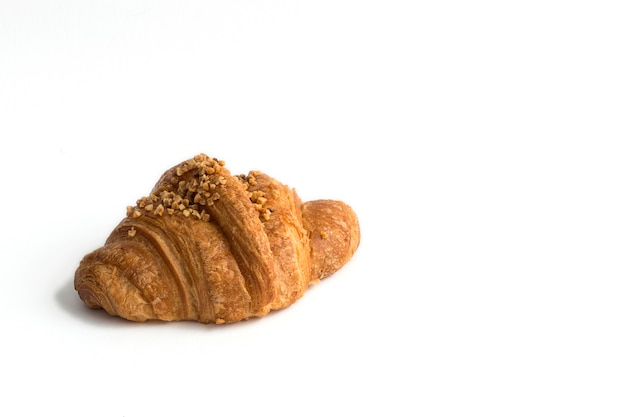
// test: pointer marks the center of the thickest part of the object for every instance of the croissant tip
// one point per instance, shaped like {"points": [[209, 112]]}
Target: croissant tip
{"points": [[86, 284], [89, 297], [334, 235]]}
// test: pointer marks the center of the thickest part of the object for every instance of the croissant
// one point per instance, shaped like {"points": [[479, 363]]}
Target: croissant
{"points": [[213, 247]]}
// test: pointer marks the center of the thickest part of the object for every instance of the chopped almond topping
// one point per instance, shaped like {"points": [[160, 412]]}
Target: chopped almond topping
{"points": [[191, 187]]}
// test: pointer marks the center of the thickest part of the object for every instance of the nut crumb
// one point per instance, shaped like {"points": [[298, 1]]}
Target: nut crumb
{"points": [[323, 235], [190, 189], [132, 232]]}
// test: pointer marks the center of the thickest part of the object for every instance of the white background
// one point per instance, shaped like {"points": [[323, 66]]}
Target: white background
{"points": [[481, 144]]}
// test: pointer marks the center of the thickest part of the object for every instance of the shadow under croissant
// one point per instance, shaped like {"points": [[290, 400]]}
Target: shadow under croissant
{"points": [[69, 301]]}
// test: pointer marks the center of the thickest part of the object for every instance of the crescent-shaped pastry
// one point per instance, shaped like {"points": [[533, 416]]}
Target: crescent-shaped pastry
{"points": [[212, 247]]}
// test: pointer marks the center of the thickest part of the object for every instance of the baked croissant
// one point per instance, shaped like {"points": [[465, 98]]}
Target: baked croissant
{"points": [[216, 248]]}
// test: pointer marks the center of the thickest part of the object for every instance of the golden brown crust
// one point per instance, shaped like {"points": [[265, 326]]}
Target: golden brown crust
{"points": [[212, 247], [334, 235], [288, 239]]}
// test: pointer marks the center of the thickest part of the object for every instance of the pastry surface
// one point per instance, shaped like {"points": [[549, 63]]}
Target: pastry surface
{"points": [[213, 247]]}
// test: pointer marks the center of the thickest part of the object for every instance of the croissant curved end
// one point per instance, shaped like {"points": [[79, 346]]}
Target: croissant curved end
{"points": [[93, 281], [334, 235]]}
